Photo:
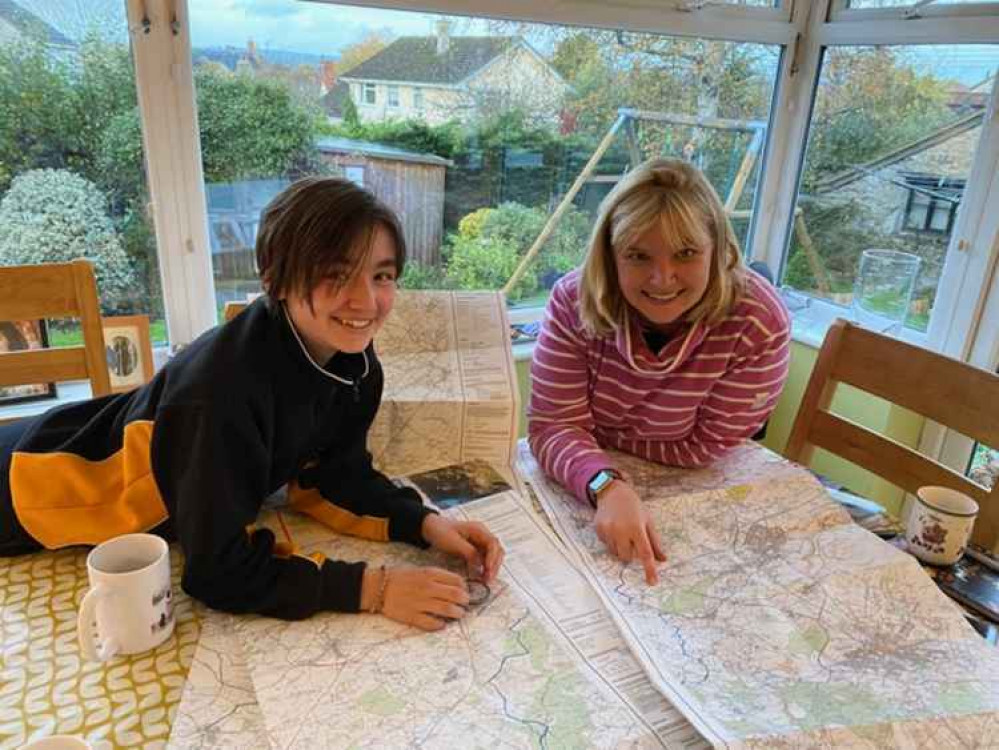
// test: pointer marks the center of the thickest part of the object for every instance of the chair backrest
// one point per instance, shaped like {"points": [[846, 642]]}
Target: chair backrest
{"points": [[952, 393], [54, 290], [232, 309]]}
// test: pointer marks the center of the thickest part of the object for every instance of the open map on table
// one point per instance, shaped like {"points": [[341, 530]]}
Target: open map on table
{"points": [[777, 622], [537, 665]]}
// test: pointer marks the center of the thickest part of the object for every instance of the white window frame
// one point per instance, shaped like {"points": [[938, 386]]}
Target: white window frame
{"points": [[369, 88], [418, 99], [392, 96], [161, 53], [972, 332], [914, 11], [773, 215], [802, 27]]}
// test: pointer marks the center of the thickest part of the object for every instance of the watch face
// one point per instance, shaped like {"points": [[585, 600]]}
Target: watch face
{"points": [[601, 480]]}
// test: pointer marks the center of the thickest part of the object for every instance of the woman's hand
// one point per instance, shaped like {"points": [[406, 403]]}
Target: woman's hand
{"points": [[470, 540], [426, 598], [624, 526]]}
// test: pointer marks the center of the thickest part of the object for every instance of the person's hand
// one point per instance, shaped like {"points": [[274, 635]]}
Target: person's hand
{"points": [[624, 526], [469, 540], [426, 598]]}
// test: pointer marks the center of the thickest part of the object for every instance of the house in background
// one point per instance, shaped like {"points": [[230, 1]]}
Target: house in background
{"points": [[16, 22], [439, 78], [410, 183], [911, 194]]}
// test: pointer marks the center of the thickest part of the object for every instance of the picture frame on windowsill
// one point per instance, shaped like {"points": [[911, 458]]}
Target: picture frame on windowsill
{"points": [[22, 335], [129, 351]]}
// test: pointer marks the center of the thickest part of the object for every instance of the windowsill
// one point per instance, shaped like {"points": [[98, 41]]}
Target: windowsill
{"points": [[66, 393], [811, 317]]}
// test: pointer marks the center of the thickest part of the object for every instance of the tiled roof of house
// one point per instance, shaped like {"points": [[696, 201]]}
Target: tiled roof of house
{"points": [[28, 23], [414, 59]]}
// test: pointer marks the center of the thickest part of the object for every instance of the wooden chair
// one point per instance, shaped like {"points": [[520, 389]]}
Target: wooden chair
{"points": [[55, 290], [950, 392]]}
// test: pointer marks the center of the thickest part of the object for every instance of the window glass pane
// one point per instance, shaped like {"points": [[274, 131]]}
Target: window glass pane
{"points": [[984, 467], [892, 141], [72, 179], [473, 129]]}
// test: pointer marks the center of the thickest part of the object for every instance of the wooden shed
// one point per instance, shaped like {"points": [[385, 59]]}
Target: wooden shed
{"points": [[411, 183]]}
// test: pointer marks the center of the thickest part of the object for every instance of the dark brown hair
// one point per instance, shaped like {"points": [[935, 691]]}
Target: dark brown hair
{"points": [[319, 228]]}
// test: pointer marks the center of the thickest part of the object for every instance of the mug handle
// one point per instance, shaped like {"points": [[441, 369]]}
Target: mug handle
{"points": [[86, 626]]}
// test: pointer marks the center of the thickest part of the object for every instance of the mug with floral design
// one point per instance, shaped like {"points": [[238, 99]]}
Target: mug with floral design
{"points": [[940, 525]]}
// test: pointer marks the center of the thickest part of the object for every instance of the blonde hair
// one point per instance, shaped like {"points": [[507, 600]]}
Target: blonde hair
{"points": [[676, 196]]}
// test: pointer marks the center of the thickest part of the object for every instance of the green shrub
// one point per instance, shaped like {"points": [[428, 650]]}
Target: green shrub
{"points": [[419, 276], [487, 263], [502, 236], [51, 216]]}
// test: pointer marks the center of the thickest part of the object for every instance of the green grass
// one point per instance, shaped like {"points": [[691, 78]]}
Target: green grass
{"points": [[71, 334]]}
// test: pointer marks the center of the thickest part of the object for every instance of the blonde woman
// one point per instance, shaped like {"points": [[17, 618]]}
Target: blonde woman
{"points": [[663, 345]]}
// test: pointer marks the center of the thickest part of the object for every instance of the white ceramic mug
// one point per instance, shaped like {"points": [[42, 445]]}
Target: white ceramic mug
{"points": [[129, 608], [940, 525]]}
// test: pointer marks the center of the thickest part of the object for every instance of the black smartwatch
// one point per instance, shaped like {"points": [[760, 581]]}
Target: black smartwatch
{"points": [[599, 484]]}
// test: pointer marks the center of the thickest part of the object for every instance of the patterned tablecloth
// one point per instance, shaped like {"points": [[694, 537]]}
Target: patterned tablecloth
{"points": [[46, 687]]}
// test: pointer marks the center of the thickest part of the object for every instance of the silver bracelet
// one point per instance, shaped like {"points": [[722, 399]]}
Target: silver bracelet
{"points": [[379, 602]]}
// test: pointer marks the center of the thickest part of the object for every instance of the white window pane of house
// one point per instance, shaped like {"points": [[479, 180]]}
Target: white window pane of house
{"points": [[504, 118], [918, 212], [940, 218], [72, 172], [893, 133]]}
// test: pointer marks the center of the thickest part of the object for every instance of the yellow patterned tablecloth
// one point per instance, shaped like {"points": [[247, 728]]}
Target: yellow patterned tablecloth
{"points": [[47, 688]]}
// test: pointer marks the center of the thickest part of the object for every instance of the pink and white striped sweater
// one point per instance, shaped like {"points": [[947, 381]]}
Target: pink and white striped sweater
{"points": [[706, 391]]}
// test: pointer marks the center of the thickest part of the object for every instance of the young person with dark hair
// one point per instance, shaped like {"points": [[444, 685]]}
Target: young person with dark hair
{"points": [[284, 394]]}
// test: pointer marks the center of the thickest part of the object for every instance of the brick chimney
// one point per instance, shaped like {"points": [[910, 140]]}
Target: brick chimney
{"points": [[327, 76], [443, 32]]}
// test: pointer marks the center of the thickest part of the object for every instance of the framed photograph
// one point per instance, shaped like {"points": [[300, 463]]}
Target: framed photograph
{"points": [[129, 351], [20, 335]]}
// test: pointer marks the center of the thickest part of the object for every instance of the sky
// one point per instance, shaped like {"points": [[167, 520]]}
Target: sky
{"points": [[318, 28], [324, 29]]}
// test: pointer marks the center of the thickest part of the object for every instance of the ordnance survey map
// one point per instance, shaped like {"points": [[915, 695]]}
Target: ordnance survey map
{"points": [[539, 664], [779, 623], [450, 387]]}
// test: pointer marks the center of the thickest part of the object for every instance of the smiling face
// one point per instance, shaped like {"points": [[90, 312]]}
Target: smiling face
{"points": [[346, 313], [662, 273]]}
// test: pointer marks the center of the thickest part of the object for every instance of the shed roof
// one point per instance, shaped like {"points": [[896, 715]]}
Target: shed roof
{"points": [[378, 151]]}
